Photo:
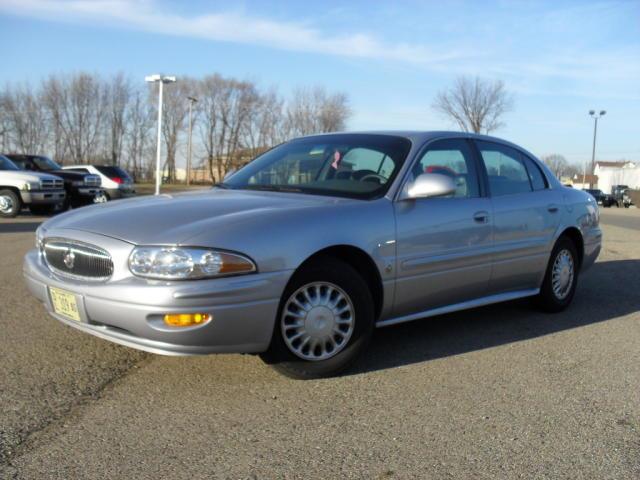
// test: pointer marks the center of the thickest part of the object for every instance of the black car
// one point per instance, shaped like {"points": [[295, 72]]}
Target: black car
{"points": [[602, 198], [620, 194], [81, 188]]}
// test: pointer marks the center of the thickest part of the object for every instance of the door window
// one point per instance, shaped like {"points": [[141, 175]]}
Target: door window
{"points": [[505, 168], [454, 158]]}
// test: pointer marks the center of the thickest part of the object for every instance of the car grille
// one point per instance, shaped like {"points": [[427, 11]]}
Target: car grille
{"points": [[92, 181], [77, 259], [50, 184]]}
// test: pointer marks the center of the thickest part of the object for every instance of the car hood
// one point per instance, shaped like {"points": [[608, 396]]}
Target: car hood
{"points": [[22, 175], [173, 219]]}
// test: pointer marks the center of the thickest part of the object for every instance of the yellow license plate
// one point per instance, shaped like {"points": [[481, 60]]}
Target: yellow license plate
{"points": [[64, 303]]}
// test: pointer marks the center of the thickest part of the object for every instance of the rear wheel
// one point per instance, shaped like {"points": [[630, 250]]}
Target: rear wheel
{"points": [[561, 278], [325, 321], [10, 203]]}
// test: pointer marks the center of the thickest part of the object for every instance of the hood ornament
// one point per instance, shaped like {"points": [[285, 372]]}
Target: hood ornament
{"points": [[69, 259]]}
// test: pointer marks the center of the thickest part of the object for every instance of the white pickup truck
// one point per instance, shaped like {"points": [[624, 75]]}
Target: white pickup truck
{"points": [[41, 192]]}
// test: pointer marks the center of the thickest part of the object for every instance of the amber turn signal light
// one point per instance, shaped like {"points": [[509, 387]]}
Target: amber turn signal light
{"points": [[186, 319]]}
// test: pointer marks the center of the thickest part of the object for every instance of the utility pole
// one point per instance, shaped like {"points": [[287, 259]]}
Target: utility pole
{"points": [[161, 80], [191, 100], [595, 132]]}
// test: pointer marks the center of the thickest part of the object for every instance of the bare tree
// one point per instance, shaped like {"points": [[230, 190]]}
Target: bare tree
{"points": [[209, 104], [138, 138], [557, 164], [226, 107], [118, 97], [176, 108], [476, 105], [314, 111], [266, 126], [25, 120], [77, 107]]}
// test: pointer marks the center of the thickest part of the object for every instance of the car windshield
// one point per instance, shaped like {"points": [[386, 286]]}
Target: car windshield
{"points": [[344, 165], [45, 163], [6, 164]]}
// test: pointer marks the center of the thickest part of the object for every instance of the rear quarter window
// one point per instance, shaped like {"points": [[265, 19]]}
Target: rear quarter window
{"points": [[538, 180]]}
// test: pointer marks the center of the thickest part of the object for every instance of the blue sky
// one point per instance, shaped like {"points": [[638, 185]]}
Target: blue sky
{"points": [[559, 58]]}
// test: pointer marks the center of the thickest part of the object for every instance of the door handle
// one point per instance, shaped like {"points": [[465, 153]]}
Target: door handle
{"points": [[552, 208], [481, 217]]}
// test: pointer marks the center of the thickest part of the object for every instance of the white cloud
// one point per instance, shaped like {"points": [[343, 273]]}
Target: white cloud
{"points": [[231, 27]]}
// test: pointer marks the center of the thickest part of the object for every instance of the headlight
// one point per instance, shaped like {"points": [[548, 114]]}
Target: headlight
{"points": [[177, 263], [40, 231], [31, 186]]}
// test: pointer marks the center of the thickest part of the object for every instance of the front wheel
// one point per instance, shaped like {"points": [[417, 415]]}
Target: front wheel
{"points": [[10, 204], [561, 278], [324, 323]]}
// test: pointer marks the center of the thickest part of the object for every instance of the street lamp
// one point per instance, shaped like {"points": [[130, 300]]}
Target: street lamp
{"points": [[161, 80], [595, 131], [192, 100]]}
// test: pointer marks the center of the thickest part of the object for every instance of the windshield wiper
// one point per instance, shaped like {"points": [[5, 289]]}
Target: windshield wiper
{"points": [[224, 186], [273, 188]]}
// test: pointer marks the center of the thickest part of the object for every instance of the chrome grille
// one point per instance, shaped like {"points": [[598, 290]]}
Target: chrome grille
{"points": [[50, 184], [92, 181], [77, 259]]}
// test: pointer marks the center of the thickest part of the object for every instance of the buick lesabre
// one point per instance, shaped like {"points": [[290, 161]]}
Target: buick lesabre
{"points": [[299, 255]]}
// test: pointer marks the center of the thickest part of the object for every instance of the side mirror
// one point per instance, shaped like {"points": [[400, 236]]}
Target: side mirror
{"points": [[429, 185]]}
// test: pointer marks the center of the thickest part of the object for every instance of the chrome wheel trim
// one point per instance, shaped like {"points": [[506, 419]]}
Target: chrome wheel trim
{"points": [[6, 204], [317, 321], [562, 274], [100, 198]]}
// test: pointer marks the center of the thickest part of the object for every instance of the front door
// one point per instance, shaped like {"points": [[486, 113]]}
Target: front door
{"points": [[443, 244]]}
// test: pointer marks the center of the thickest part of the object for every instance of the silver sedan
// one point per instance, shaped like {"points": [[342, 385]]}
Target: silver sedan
{"points": [[299, 255]]}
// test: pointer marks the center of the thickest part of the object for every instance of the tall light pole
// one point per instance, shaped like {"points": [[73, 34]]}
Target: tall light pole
{"points": [[192, 100], [595, 132], [161, 80]]}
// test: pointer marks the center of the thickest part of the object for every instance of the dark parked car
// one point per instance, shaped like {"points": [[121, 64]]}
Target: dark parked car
{"points": [[81, 188], [602, 198], [620, 194]]}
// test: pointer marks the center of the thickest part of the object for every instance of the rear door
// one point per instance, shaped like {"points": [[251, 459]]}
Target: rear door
{"points": [[526, 215], [443, 244]]}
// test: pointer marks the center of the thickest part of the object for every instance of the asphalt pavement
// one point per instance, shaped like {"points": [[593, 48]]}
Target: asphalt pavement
{"points": [[497, 392]]}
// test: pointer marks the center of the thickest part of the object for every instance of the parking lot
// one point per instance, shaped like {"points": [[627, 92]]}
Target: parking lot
{"points": [[498, 392]]}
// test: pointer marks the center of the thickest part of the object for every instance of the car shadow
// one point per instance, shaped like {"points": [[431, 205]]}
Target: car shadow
{"points": [[606, 291], [19, 227]]}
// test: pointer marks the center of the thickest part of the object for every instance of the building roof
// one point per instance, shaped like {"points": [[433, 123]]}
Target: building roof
{"points": [[618, 164]]}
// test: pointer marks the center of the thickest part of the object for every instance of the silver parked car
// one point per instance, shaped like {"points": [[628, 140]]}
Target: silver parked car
{"points": [[301, 253]]}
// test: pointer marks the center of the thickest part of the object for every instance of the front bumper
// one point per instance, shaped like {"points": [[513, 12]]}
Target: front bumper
{"points": [[115, 193], [42, 197], [84, 195], [129, 311]]}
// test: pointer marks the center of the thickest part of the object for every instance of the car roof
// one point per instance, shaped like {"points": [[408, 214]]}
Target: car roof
{"points": [[421, 136]]}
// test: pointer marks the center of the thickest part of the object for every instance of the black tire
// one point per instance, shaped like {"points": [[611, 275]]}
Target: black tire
{"points": [[43, 209], [14, 203], [342, 275], [547, 299]]}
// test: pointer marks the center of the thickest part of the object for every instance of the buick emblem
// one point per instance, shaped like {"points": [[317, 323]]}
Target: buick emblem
{"points": [[69, 259]]}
